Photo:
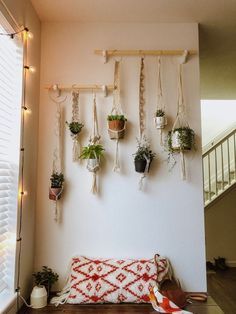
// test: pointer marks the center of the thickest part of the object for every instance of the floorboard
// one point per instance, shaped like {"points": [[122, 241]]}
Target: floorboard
{"points": [[222, 287]]}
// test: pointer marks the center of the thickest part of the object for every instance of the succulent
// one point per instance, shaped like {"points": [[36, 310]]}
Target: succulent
{"points": [[75, 127], [160, 113], [116, 117], [57, 180]]}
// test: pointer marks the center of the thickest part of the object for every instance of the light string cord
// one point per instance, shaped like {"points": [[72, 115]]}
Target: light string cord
{"points": [[13, 34], [21, 186]]}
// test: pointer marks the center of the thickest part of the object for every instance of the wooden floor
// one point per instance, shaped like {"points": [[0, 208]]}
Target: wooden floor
{"points": [[221, 288], [207, 308]]}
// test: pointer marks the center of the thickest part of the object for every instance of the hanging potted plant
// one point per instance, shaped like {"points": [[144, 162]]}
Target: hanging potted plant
{"points": [[74, 127], [55, 191], [181, 139], [143, 157], [160, 119], [116, 126], [93, 154]]}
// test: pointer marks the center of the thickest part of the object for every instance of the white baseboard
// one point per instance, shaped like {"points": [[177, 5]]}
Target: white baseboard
{"points": [[231, 263]]}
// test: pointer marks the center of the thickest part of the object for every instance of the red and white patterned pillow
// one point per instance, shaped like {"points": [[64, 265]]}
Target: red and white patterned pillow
{"points": [[113, 280]]}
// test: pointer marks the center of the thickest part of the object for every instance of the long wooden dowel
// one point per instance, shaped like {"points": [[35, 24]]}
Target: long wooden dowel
{"points": [[143, 52]]}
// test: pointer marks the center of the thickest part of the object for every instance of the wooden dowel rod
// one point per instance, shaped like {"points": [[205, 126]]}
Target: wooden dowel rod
{"points": [[144, 52], [83, 87]]}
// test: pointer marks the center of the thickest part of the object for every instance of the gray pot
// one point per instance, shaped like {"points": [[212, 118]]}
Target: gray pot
{"points": [[93, 164]]}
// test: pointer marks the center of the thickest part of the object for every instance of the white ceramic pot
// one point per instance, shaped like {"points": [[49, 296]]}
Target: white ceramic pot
{"points": [[160, 122], [178, 140], [38, 297], [93, 164]]}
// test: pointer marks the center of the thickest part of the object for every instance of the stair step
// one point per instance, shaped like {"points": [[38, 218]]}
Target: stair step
{"points": [[208, 195]]}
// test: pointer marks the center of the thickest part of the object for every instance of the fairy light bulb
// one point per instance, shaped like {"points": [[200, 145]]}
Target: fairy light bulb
{"points": [[28, 34], [30, 68]]}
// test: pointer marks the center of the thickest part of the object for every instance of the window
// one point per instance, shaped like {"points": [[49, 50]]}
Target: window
{"points": [[11, 67]]}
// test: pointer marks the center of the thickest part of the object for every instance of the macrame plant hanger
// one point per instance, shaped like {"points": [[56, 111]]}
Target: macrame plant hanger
{"points": [[75, 119], [142, 138], [93, 165], [160, 121], [181, 118], [117, 110], [57, 151]]}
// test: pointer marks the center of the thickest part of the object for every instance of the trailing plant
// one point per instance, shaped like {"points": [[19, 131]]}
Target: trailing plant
{"points": [[160, 113], [144, 151], [120, 117], [185, 137], [74, 127], [94, 151], [57, 180], [45, 277]]}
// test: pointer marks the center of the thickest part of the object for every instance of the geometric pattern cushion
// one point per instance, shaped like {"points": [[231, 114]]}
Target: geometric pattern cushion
{"points": [[113, 280]]}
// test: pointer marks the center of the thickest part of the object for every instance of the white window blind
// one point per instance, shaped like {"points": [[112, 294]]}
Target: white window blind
{"points": [[11, 66]]}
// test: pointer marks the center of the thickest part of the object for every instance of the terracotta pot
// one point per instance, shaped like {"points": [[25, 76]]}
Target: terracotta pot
{"points": [[93, 164], [116, 129], [55, 193], [177, 141], [160, 122], [140, 165]]}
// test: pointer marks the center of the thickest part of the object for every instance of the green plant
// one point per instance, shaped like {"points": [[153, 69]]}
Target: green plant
{"points": [[144, 151], [160, 113], [185, 136], [45, 277], [116, 117], [57, 180], [92, 151], [75, 127]]}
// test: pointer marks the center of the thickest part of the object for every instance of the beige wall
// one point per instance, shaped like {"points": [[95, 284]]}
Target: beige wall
{"points": [[25, 15], [140, 223], [220, 229]]}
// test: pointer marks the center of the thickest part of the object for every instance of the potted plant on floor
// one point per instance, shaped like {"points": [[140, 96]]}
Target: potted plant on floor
{"points": [[55, 191], [116, 126], [143, 157], [160, 119], [46, 277], [93, 154]]}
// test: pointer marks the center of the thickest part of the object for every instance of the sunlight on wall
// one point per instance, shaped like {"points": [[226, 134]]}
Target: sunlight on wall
{"points": [[217, 116]]}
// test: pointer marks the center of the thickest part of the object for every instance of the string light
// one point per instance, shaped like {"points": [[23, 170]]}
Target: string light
{"points": [[30, 68], [22, 192], [25, 31]]}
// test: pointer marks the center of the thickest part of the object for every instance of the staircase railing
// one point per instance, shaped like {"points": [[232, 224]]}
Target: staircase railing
{"points": [[219, 166]]}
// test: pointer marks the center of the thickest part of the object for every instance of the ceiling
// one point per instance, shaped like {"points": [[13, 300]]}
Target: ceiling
{"points": [[217, 20]]}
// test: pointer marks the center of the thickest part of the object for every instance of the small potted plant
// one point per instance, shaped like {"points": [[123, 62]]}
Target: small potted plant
{"points": [[55, 191], [143, 157], [93, 154], [160, 119], [74, 127], [116, 126], [46, 277], [181, 139]]}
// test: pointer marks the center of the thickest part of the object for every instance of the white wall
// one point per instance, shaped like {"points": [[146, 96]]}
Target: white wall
{"points": [[167, 217], [24, 13], [217, 116]]}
